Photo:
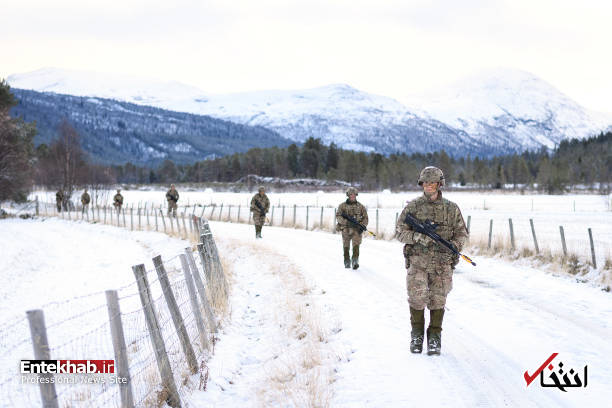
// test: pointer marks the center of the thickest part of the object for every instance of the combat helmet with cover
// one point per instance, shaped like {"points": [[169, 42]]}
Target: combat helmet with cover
{"points": [[431, 174], [351, 190]]}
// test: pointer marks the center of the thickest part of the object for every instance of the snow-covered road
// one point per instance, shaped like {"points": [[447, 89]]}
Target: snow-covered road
{"points": [[502, 320]]}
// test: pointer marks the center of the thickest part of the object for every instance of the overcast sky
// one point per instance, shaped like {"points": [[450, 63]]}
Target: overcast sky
{"points": [[393, 48]]}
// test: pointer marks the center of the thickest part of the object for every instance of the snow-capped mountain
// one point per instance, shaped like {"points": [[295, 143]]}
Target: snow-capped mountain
{"points": [[498, 112], [512, 108]]}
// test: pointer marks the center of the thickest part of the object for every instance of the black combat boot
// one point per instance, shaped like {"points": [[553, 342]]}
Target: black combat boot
{"points": [[258, 231], [347, 257], [434, 332], [356, 257], [417, 321]]}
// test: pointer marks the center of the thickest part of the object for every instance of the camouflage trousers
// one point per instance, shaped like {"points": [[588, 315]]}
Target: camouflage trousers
{"points": [[258, 219], [428, 281], [172, 208], [350, 234]]}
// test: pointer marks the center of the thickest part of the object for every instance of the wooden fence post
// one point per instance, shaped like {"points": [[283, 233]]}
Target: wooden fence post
{"points": [[511, 233], [220, 212], [123, 371], [210, 316], [592, 249], [38, 331], [307, 211], [162, 217], [490, 233], [177, 318], [157, 341], [563, 240], [194, 302], [283, 216], [238, 216], [321, 221], [294, 211], [377, 221], [468, 223], [533, 233]]}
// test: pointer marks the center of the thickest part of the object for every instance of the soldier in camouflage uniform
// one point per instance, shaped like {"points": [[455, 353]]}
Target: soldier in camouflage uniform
{"points": [[85, 200], [59, 198], [430, 266], [118, 201], [260, 204], [172, 196], [350, 232]]}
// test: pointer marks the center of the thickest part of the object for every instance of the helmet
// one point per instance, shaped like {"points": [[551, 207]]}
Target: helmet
{"points": [[431, 174], [261, 188], [351, 190]]}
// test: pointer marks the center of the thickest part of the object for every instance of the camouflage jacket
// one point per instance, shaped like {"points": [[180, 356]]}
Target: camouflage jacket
{"points": [[263, 201], [118, 199], [85, 199], [353, 209], [443, 212], [172, 196]]}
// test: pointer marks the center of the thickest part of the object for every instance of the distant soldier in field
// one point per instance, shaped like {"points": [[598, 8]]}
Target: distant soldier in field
{"points": [[85, 200], [118, 201], [260, 204], [172, 196], [349, 212], [430, 266], [59, 198]]}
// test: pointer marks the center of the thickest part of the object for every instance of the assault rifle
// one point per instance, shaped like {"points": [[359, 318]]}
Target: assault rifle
{"points": [[360, 226], [429, 228], [261, 209]]}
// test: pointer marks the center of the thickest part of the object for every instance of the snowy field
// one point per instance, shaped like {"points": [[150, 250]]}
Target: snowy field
{"points": [[304, 331]]}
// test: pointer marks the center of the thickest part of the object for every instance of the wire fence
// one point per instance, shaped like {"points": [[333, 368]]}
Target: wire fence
{"points": [[156, 332], [587, 236]]}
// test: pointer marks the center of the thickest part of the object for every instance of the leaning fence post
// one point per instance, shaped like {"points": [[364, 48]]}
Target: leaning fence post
{"points": [[38, 331], [162, 217], [563, 240], [220, 212], [592, 249], [511, 233], [468, 223], [184, 227], [194, 302], [533, 233], [36, 205], [490, 232], [177, 318], [159, 347], [210, 316], [294, 211], [123, 371], [132, 219]]}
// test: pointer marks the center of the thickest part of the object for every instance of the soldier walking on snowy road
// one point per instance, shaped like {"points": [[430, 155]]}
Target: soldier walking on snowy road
{"points": [[349, 212], [430, 266], [118, 201], [172, 196], [85, 200], [260, 204]]}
